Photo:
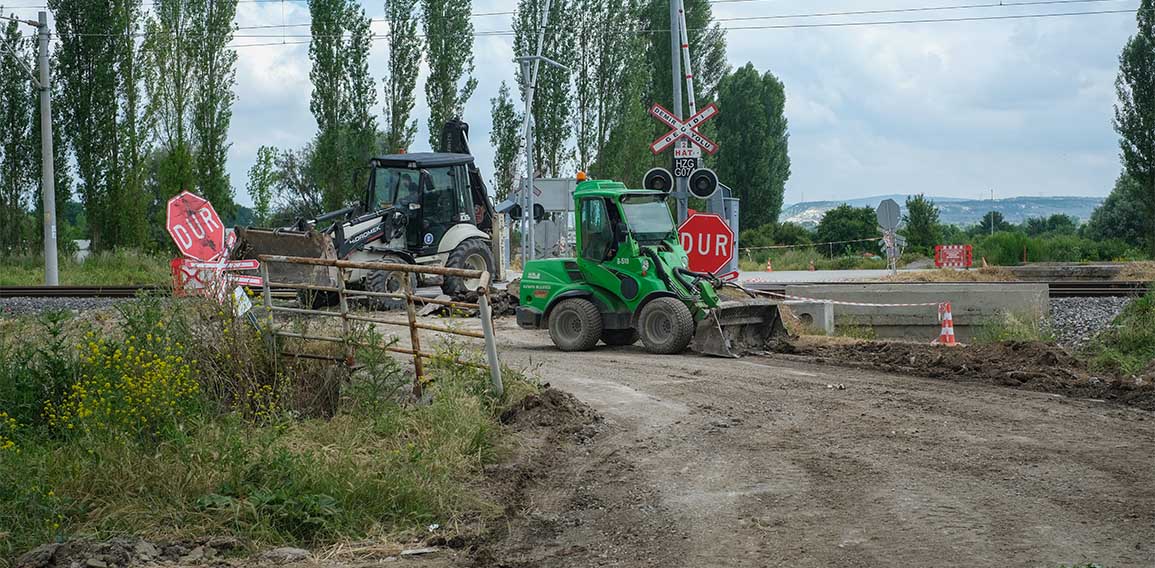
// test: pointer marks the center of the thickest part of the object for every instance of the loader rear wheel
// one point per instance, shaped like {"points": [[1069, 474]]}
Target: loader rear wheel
{"points": [[575, 324], [619, 337], [390, 281], [471, 254], [666, 326]]}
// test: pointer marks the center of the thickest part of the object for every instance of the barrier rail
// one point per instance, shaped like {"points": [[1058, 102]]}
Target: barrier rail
{"points": [[407, 293]]}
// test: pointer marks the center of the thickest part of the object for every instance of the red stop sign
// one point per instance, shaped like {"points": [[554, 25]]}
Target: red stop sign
{"points": [[195, 227], [709, 242]]}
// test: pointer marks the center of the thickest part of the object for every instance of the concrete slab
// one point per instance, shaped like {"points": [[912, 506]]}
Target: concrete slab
{"points": [[973, 305], [818, 316]]}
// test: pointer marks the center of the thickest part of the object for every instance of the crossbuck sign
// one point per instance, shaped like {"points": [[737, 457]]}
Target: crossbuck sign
{"points": [[687, 129]]}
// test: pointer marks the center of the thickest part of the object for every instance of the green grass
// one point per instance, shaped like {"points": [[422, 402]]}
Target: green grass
{"points": [[256, 457], [1128, 347], [800, 259], [114, 268], [1014, 326]]}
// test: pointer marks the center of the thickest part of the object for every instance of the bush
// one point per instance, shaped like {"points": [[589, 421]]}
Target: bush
{"points": [[1011, 248], [1128, 347]]}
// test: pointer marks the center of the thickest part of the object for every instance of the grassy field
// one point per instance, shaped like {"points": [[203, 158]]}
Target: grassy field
{"points": [[117, 268], [173, 423]]}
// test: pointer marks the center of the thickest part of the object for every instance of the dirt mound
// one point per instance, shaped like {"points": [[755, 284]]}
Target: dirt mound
{"points": [[556, 410], [1033, 366], [123, 552]]}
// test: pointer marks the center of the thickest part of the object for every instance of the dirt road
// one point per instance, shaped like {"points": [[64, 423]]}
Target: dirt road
{"points": [[758, 462]]}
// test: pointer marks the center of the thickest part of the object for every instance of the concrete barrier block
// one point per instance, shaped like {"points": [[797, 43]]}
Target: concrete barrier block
{"points": [[818, 316]]}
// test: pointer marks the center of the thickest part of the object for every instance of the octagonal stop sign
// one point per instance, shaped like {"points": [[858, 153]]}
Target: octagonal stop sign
{"points": [[708, 241], [195, 227]]}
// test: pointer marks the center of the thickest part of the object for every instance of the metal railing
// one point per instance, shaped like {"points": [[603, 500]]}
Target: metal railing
{"points": [[407, 293]]}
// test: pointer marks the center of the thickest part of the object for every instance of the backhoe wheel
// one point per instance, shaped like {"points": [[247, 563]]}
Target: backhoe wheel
{"points": [[391, 281], [666, 326], [471, 254], [575, 324], [619, 337]]}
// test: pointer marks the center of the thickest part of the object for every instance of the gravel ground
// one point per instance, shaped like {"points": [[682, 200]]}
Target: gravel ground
{"points": [[24, 306], [1077, 320]]}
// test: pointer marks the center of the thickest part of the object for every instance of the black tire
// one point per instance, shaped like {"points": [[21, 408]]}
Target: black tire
{"points": [[316, 299], [575, 324], [666, 326], [392, 281], [619, 337], [471, 254]]}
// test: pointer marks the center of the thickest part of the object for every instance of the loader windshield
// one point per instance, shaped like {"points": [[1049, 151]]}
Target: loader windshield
{"points": [[648, 217], [394, 187]]}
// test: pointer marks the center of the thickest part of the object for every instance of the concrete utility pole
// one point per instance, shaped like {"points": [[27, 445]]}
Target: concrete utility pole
{"points": [[681, 185], [48, 179], [529, 71], [47, 165]]}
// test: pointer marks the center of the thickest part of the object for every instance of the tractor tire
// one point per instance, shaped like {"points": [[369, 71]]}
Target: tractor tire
{"points": [[619, 337], [666, 326], [391, 281], [575, 324], [471, 254]]}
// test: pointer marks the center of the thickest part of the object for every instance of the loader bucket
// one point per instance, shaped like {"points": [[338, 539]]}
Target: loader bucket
{"points": [[251, 243], [736, 328]]}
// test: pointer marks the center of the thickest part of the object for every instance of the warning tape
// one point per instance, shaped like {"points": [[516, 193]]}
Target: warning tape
{"points": [[842, 303], [810, 245]]}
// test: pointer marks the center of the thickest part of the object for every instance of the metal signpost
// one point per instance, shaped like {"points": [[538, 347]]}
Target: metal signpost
{"points": [[889, 215]]}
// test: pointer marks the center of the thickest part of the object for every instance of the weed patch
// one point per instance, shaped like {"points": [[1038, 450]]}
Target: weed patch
{"points": [[1015, 326], [1128, 346]]}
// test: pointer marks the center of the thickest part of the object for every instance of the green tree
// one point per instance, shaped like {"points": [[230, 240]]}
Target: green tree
{"points": [[262, 184], [360, 98], [553, 100], [991, 218], [17, 143], [169, 52], [101, 108], [1120, 216], [1135, 113], [449, 40], [401, 73], [1057, 224], [846, 223], [603, 62], [215, 66], [923, 230], [505, 138], [753, 136]]}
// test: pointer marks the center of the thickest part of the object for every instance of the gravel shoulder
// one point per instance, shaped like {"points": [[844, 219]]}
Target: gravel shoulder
{"points": [[760, 462]]}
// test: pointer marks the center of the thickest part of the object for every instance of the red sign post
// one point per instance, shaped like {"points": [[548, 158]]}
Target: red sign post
{"points": [[708, 241], [195, 227]]}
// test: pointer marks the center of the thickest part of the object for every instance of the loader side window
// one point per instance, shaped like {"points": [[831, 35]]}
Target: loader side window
{"points": [[597, 231], [439, 210]]}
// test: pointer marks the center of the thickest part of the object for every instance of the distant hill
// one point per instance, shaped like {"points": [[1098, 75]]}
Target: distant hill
{"points": [[956, 211]]}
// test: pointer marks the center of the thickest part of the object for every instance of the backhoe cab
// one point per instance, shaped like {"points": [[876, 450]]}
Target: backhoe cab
{"points": [[629, 280]]}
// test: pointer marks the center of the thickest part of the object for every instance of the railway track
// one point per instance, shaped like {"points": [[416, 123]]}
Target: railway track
{"points": [[1058, 289]]}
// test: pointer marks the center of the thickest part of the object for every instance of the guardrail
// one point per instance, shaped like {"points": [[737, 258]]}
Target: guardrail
{"points": [[407, 293]]}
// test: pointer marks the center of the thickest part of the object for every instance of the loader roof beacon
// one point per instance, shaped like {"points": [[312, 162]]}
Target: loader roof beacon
{"points": [[630, 280]]}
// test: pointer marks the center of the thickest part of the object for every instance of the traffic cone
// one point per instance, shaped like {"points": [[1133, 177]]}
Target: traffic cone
{"points": [[769, 266], [946, 336], [812, 269]]}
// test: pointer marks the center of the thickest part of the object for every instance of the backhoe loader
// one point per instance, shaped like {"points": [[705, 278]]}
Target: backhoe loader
{"points": [[629, 280]]}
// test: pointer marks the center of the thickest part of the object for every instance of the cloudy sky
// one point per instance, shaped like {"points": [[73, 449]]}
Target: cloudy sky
{"points": [[1020, 106]]}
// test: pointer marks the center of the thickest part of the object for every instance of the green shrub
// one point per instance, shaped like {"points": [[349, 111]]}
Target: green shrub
{"points": [[1128, 347], [1015, 326]]}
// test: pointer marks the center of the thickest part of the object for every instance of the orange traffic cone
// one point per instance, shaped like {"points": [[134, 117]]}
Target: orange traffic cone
{"points": [[946, 336], [812, 269], [769, 266]]}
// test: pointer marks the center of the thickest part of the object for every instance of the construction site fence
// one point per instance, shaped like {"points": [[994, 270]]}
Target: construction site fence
{"points": [[407, 293]]}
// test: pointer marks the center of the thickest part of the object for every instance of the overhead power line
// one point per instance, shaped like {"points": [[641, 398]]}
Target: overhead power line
{"points": [[878, 12]]}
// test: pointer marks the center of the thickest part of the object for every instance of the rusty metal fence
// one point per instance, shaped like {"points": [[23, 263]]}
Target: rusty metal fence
{"points": [[407, 293]]}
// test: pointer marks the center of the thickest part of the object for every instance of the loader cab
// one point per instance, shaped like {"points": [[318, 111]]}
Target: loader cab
{"points": [[609, 219], [433, 190]]}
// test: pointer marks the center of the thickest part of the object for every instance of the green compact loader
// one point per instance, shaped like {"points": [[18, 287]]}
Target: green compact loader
{"points": [[630, 280]]}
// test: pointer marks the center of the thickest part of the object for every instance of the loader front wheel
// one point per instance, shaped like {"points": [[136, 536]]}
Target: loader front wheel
{"points": [[391, 282], [471, 254], [619, 337], [666, 326], [575, 324]]}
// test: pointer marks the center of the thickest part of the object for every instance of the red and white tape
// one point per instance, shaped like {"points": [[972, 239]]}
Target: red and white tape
{"points": [[842, 303]]}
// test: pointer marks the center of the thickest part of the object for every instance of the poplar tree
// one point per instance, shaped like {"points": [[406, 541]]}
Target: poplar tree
{"points": [[262, 184], [215, 66], [170, 78], [401, 71], [607, 53], [752, 134], [1135, 114], [17, 142], [553, 101], [359, 124], [449, 39], [505, 138]]}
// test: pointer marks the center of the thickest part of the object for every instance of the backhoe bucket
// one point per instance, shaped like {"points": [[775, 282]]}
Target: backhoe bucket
{"points": [[736, 328], [251, 243]]}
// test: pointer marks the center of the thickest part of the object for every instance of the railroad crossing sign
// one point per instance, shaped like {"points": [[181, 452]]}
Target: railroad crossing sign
{"points": [[687, 129], [708, 241], [195, 227]]}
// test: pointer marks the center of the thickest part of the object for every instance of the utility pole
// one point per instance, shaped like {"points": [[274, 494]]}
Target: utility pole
{"points": [[47, 165], [47, 179], [992, 211], [529, 71], [681, 184]]}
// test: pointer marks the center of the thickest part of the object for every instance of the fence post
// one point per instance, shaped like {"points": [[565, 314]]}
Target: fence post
{"points": [[346, 332], [414, 338], [486, 316]]}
